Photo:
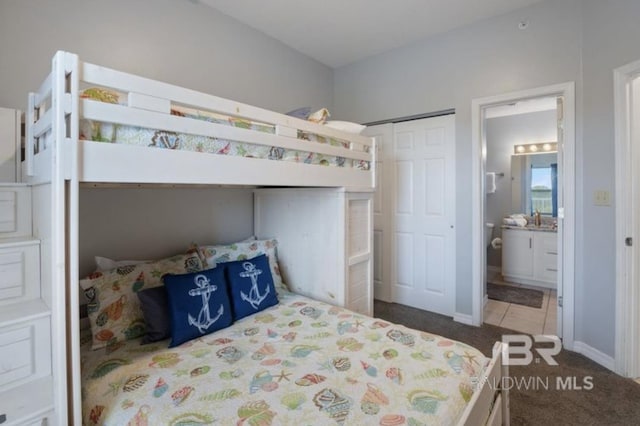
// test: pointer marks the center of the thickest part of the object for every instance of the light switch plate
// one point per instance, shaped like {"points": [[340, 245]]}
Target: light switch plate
{"points": [[601, 197]]}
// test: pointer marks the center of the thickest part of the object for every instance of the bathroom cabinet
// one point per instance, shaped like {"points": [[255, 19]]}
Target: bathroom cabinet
{"points": [[530, 257]]}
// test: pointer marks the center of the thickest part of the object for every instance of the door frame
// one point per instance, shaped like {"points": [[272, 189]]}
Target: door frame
{"points": [[627, 337], [478, 158]]}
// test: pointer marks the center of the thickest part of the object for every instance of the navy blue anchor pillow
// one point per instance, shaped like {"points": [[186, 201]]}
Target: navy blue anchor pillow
{"points": [[251, 285], [198, 304]]}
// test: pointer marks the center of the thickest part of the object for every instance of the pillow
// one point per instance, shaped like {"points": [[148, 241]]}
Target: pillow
{"points": [[201, 252], [213, 255], [101, 94], [106, 264], [155, 310], [346, 126], [251, 286], [302, 113], [114, 309], [319, 116], [198, 304]]}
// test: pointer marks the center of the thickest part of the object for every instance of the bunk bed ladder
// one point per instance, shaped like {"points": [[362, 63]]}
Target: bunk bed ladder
{"points": [[26, 373]]}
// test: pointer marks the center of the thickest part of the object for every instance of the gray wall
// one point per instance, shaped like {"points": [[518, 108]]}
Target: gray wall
{"points": [[502, 134], [567, 40], [448, 71], [177, 41], [610, 36], [145, 223]]}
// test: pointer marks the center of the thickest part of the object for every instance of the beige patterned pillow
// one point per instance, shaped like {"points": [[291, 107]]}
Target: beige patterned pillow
{"points": [[114, 309], [212, 255]]}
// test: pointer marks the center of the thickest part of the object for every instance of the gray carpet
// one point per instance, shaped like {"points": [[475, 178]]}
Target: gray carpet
{"points": [[613, 400], [517, 295]]}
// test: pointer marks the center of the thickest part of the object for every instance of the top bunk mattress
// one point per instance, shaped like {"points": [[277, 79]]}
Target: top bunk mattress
{"points": [[99, 131], [299, 362]]}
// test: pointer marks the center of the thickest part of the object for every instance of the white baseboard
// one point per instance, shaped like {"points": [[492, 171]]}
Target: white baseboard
{"points": [[595, 355], [463, 318]]}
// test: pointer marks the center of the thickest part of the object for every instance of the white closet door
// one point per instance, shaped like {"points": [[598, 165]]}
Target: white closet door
{"points": [[383, 135], [423, 214]]}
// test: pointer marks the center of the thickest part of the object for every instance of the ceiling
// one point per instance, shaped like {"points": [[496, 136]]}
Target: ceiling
{"points": [[338, 32]]}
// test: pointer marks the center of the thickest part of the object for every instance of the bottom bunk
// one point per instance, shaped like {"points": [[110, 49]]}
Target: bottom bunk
{"points": [[299, 362]]}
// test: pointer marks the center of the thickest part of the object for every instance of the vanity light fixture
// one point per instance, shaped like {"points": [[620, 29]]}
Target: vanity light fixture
{"points": [[535, 148]]}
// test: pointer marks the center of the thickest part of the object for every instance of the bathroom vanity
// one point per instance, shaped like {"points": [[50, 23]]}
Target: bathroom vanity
{"points": [[530, 255]]}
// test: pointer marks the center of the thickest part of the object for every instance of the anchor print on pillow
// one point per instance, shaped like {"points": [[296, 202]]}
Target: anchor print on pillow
{"points": [[251, 286], [198, 304]]}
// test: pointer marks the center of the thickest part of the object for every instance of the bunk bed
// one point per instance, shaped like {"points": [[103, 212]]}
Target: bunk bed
{"points": [[87, 124]]}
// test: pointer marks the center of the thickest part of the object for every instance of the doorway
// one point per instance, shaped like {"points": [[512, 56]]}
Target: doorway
{"points": [[522, 163], [566, 200], [627, 200], [414, 213]]}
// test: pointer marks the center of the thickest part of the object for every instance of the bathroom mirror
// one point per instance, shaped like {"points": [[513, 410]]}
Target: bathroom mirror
{"points": [[534, 184]]}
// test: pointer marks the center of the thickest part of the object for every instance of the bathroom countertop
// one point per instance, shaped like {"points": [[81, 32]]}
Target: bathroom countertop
{"points": [[531, 227]]}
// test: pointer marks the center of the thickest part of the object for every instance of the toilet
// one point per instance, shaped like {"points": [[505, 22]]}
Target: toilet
{"points": [[488, 232]]}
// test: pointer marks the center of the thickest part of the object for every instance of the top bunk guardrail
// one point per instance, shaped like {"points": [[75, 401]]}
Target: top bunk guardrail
{"points": [[108, 126]]}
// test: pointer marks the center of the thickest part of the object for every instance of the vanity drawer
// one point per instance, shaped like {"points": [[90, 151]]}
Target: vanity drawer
{"points": [[549, 273], [549, 245], [19, 272], [25, 352], [546, 256]]}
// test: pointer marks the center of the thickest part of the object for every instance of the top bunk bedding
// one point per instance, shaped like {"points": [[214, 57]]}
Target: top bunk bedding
{"points": [[80, 106], [299, 362], [106, 132]]}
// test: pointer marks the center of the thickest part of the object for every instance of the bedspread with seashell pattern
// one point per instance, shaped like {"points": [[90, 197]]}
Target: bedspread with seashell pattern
{"points": [[300, 362]]}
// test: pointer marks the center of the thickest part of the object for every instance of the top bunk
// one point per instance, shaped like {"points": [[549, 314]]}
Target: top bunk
{"points": [[92, 124]]}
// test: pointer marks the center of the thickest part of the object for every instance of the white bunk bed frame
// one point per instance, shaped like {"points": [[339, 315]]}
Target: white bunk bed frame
{"points": [[57, 162]]}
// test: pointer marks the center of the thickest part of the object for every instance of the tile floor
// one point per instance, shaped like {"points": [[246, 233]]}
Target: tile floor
{"points": [[522, 318]]}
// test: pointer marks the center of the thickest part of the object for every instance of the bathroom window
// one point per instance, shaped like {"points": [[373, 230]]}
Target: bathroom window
{"points": [[544, 190]]}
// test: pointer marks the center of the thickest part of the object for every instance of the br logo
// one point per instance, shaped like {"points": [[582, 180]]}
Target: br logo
{"points": [[521, 345]]}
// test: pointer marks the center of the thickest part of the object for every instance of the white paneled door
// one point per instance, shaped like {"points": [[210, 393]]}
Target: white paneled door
{"points": [[423, 216], [414, 213]]}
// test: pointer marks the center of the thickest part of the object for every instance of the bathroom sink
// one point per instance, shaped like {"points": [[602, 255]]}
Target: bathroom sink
{"points": [[532, 227], [548, 228]]}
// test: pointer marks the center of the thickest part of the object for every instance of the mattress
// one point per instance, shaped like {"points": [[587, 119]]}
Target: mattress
{"points": [[130, 135], [300, 362]]}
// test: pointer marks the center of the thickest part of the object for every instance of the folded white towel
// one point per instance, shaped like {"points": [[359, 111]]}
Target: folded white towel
{"points": [[515, 220], [520, 221]]}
